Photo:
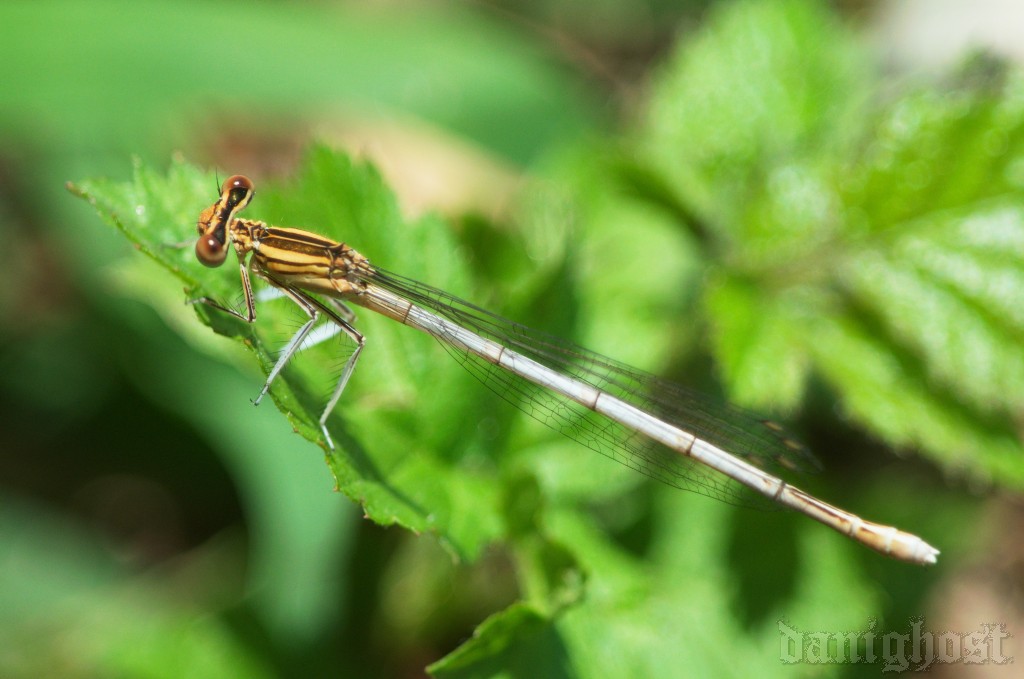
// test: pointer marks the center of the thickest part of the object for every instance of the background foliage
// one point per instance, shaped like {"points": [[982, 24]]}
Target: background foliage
{"points": [[737, 198]]}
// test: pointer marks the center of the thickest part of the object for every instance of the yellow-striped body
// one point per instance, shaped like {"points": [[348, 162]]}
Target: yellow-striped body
{"points": [[300, 258]]}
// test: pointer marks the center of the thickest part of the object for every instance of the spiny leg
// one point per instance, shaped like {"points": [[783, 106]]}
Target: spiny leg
{"points": [[343, 310], [346, 373], [303, 301], [250, 306], [341, 319], [327, 330], [295, 342]]}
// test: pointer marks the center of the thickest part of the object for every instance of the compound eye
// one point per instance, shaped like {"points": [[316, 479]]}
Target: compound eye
{"points": [[210, 251], [239, 190]]}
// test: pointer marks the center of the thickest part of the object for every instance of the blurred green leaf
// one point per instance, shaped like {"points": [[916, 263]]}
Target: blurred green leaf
{"points": [[762, 83], [667, 615], [879, 246], [193, 66], [71, 611]]}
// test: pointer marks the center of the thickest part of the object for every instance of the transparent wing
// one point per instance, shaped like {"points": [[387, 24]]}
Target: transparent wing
{"points": [[759, 442]]}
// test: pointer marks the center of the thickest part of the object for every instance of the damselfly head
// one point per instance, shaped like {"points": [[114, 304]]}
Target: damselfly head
{"points": [[215, 221]]}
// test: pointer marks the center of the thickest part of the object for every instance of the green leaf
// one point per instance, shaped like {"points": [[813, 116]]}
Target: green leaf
{"points": [[887, 391], [476, 77], [515, 643], [394, 435], [66, 597], [760, 346], [763, 81], [667, 615], [880, 248], [927, 272]]}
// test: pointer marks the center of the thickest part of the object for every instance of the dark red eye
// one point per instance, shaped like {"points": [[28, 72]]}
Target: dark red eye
{"points": [[237, 181], [239, 191], [210, 251]]}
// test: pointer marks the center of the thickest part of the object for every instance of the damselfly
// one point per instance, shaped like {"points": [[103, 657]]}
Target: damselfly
{"points": [[651, 425]]}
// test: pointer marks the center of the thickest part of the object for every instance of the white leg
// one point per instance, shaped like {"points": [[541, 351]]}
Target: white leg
{"points": [[346, 372], [293, 344]]}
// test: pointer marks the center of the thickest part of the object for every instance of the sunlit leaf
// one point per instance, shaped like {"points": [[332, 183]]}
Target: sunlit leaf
{"points": [[898, 223]]}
